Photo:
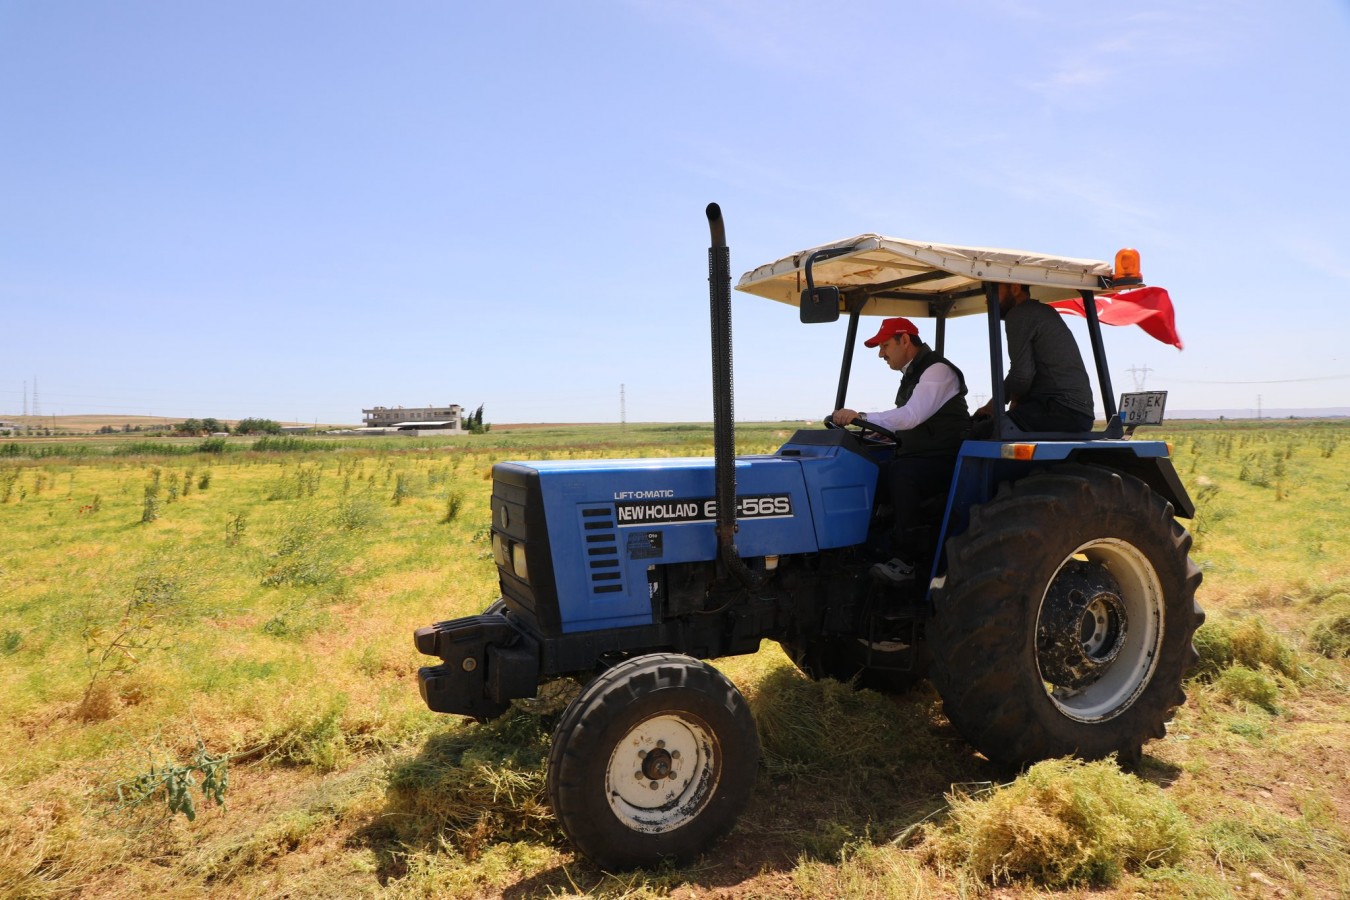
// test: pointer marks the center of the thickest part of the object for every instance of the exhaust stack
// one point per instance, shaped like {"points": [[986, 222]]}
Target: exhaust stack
{"points": [[724, 422]]}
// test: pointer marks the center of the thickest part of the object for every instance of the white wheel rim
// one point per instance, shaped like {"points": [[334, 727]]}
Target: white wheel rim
{"points": [[1132, 668], [662, 773]]}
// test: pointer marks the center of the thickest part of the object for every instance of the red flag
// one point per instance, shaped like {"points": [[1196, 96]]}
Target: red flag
{"points": [[1150, 308]]}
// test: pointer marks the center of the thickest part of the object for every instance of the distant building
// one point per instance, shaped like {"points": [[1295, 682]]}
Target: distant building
{"points": [[422, 418]]}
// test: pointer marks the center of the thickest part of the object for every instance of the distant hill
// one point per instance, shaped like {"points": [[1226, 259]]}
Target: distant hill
{"points": [[1319, 412]]}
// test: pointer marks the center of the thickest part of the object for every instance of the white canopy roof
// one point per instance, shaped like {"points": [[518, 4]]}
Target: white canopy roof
{"points": [[903, 277]]}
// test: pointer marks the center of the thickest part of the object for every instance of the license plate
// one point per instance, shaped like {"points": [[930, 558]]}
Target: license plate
{"points": [[1143, 408]]}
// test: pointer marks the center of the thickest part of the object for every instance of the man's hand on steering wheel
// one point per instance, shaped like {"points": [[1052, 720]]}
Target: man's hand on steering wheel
{"points": [[844, 418]]}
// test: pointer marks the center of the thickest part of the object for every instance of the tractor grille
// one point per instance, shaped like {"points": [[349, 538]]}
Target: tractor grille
{"points": [[602, 550]]}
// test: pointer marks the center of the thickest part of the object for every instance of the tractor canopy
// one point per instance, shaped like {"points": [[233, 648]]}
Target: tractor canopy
{"points": [[899, 277]]}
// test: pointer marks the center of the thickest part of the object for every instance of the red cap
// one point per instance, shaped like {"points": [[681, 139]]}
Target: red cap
{"points": [[889, 329]]}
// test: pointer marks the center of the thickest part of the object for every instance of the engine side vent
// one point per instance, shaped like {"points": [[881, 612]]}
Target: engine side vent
{"points": [[602, 550]]}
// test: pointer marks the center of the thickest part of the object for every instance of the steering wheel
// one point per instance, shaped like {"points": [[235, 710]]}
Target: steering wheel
{"points": [[866, 431]]}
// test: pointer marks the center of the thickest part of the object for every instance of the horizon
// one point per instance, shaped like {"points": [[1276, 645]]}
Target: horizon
{"points": [[152, 423]]}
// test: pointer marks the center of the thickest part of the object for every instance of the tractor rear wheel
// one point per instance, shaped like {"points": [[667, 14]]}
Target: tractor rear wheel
{"points": [[655, 759], [1065, 623]]}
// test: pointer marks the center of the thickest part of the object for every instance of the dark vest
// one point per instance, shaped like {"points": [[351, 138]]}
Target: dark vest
{"points": [[942, 434]]}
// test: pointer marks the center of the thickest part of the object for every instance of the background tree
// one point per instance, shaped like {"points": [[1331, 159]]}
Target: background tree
{"points": [[257, 426], [475, 420]]}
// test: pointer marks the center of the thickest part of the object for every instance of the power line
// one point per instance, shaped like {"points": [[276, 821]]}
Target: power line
{"points": [[1140, 375]]}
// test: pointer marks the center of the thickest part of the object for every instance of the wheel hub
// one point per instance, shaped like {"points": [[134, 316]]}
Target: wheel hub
{"points": [[657, 763], [1082, 626], [659, 774]]}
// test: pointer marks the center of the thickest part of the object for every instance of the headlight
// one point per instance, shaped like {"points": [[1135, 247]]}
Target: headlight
{"points": [[518, 562]]}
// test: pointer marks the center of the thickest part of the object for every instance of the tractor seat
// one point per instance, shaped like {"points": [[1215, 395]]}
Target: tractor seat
{"points": [[1113, 430]]}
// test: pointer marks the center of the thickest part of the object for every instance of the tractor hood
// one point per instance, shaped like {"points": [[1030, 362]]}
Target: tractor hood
{"points": [[677, 494], [590, 532]]}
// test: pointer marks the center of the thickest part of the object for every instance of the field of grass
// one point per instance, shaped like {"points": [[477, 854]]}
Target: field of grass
{"points": [[90, 423], [207, 690]]}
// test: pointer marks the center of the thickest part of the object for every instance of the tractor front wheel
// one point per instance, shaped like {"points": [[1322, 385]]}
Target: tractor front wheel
{"points": [[655, 759], [1066, 619]]}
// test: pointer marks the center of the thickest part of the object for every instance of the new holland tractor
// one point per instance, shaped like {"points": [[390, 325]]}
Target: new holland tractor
{"points": [[1057, 619]]}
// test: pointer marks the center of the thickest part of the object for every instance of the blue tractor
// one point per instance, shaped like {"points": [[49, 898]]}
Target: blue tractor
{"points": [[1058, 618]]}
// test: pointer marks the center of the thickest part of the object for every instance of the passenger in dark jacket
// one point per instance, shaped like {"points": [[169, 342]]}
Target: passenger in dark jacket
{"points": [[1047, 387]]}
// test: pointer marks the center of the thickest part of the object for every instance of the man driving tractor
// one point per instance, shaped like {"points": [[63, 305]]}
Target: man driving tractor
{"points": [[930, 419]]}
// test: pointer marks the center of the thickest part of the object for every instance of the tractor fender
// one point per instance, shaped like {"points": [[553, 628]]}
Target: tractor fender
{"points": [[1155, 471], [982, 466]]}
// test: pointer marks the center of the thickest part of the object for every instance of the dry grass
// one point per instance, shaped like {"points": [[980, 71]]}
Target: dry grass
{"points": [[1063, 823], [289, 646]]}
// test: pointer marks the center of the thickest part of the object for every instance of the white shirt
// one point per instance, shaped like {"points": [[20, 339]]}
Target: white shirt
{"points": [[936, 386]]}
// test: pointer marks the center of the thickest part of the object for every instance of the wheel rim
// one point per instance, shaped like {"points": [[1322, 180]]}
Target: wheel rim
{"points": [[662, 773], [1099, 629]]}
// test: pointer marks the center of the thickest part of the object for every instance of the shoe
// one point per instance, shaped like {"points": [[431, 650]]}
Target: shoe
{"points": [[897, 571]]}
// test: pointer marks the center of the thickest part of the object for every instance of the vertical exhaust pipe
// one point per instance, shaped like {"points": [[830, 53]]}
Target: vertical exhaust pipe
{"points": [[724, 422]]}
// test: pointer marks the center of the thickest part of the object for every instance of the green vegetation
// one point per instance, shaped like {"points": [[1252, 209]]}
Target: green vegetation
{"points": [[474, 422], [201, 426], [207, 688], [257, 426], [176, 782], [689, 439]]}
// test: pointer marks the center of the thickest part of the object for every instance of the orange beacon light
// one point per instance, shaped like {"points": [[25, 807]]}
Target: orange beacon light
{"points": [[1127, 268]]}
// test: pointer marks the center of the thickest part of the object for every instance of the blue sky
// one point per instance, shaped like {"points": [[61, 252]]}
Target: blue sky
{"points": [[296, 210]]}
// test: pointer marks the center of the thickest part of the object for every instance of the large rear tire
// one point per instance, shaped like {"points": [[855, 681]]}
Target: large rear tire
{"points": [[1065, 623], [654, 760]]}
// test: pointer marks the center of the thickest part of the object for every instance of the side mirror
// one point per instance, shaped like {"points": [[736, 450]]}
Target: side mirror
{"points": [[819, 304]]}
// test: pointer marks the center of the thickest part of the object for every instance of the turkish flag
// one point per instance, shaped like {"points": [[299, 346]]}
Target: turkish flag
{"points": [[1150, 308]]}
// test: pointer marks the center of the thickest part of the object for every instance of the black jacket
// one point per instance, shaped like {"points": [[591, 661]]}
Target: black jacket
{"points": [[941, 434]]}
